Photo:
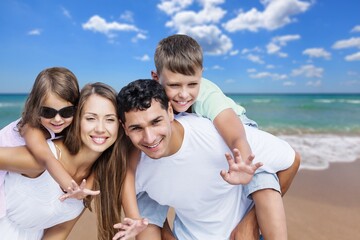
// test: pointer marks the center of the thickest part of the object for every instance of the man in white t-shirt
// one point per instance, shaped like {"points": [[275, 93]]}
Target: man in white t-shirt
{"points": [[180, 163]]}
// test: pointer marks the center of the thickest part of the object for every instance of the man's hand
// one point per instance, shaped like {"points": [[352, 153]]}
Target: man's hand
{"points": [[130, 228], [78, 192], [240, 171]]}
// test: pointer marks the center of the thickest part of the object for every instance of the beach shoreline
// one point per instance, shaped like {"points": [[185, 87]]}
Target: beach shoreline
{"points": [[320, 205]]}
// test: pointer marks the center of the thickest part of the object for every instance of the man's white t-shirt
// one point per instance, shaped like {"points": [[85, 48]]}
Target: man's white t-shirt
{"points": [[206, 206]]}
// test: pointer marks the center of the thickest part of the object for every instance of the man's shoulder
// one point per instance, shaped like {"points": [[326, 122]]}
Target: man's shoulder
{"points": [[194, 121]]}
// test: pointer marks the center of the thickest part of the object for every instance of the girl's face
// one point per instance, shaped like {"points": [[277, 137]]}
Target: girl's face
{"points": [[62, 119], [99, 123]]}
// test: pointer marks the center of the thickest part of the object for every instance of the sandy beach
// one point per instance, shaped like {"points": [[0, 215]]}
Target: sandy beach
{"points": [[320, 205]]}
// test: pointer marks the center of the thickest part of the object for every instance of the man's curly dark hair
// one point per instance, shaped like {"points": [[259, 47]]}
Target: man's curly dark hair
{"points": [[139, 94]]}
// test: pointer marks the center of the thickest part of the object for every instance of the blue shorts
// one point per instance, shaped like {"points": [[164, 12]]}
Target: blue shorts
{"points": [[152, 210], [260, 181], [247, 121]]}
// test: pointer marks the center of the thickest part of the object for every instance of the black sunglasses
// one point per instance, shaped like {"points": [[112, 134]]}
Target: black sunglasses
{"points": [[65, 112]]}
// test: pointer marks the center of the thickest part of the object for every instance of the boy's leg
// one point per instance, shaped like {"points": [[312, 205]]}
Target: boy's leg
{"points": [[270, 214], [264, 189]]}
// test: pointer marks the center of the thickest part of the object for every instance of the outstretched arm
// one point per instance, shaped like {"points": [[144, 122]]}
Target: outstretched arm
{"points": [[37, 145], [232, 131]]}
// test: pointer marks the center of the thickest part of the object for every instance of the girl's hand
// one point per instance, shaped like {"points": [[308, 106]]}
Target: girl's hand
{"points": [[130, 228], [78, 192]]}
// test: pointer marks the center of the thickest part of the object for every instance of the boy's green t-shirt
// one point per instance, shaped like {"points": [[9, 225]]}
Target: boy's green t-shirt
{"points": [[211, 101]]}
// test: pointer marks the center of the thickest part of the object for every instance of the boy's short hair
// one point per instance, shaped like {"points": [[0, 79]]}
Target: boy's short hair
{"points": [[180, 54], [138, 95]]}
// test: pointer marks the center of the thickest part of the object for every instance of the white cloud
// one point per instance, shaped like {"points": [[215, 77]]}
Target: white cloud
{"points": [[309, 71], [127, 16], [98, 24], [139, 36], [272, 48], [255, 58], [270, 66], [274, 76], [283, 40], [255, 49], [348, 43], [277, 13], [278, 42], [356, 29], [251, 70], [208, 15], [317, 53], [172, 6], [353, 57], [144, 58], [210, 38], [201, 25], [217, 67], [35, 32], [233, 53]]}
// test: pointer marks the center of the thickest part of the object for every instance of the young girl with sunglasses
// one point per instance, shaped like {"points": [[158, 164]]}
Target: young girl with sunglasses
{"points": [[47, 114]]}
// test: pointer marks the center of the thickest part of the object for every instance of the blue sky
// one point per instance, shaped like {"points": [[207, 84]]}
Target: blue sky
{"points": [[250, 46]]}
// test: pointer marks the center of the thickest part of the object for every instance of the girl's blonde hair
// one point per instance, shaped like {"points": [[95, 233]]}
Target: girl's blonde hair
{"points": [[58, 80]]}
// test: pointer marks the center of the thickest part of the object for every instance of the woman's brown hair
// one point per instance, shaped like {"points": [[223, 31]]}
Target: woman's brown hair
{"points": [[109, 168]]}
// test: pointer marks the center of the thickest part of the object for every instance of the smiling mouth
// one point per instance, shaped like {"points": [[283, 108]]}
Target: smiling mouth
{"points": [[182, 103], [99, 140], [154, 145]]}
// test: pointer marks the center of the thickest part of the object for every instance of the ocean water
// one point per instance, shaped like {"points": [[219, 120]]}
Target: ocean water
{"points": [[324, 128]]}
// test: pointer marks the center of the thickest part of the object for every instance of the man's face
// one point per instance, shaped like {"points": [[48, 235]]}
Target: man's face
{"points": [[182, 90], [150, 130]]}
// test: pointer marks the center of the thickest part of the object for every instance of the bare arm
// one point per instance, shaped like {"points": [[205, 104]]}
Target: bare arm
{"points": [[60, 231], [20, 160], [37, 145], [129, 197], [232, 131], [152, 232]]}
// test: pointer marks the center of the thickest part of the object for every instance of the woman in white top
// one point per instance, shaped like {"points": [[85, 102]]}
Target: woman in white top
{"points": [[33, 209]]}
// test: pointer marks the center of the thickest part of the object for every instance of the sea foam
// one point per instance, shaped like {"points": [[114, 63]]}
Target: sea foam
{"points": [[319, 150]]}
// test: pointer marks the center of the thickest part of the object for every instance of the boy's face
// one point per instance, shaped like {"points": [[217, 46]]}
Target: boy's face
{"points": [[182, 90], [150, 130]]}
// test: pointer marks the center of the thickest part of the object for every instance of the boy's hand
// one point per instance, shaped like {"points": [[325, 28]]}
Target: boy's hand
{"points": [[130, 228], [240, 171], [78, 192]]}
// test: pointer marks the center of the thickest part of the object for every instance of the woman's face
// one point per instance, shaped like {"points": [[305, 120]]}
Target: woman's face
{"points": [[99, 123]]}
